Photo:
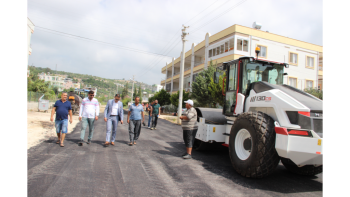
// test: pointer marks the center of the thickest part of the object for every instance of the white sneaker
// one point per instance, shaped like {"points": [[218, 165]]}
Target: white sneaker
{"points": [[149, 127]]}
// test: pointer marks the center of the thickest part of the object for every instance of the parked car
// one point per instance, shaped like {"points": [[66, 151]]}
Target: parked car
{"points": [[183, 111]]}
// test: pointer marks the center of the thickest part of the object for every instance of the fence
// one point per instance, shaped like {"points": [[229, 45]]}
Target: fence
{"points": [[35, 96], [169, 108]]}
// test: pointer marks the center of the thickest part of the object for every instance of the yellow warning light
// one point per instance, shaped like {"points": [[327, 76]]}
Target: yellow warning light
{"points": [[257, 49]]}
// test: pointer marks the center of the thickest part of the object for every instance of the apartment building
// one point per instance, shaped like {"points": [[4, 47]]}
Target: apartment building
{"points": [[305, 59], [53, 80], [58, 81], [30, 31], [320, 72], [156, 88]]}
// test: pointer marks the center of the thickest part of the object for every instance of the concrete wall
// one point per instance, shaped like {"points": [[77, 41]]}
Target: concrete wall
{"points": [[34, 105]]}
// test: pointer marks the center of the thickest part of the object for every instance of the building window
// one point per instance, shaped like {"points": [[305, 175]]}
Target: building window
{"points": [[292, 81], [310, 62], [222, 49], [242, 45], [309, 84], [214, 51], [231, 44], [217, 50], [293, 58], [263, 51], [226, 46], [210, 52]]}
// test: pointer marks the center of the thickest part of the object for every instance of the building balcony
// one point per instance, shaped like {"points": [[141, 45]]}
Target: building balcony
{"points": [[320, 72]]}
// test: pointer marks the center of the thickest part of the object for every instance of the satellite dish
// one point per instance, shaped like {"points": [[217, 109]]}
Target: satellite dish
{"points": [[257, 25]]}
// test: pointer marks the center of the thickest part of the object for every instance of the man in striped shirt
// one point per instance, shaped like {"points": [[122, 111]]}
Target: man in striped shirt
{"points": [[189, 127], [89, 111]]}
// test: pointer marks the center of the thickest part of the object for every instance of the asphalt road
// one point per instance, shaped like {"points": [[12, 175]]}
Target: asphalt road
{"points": [[151, 168]]}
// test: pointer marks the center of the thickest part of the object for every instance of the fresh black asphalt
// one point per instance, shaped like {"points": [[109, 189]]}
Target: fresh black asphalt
{"points": [[153, 167]]}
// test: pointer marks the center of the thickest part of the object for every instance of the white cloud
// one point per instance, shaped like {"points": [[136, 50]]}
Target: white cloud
{"points": [[150, 26]]}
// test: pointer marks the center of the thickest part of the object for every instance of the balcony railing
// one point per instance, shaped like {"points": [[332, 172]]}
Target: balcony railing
{"points": [[175, 89], [176, 72], [186, 69]]}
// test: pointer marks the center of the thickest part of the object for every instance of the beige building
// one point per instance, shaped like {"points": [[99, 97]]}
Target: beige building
{"points": [[320, 72], [305, 59]]}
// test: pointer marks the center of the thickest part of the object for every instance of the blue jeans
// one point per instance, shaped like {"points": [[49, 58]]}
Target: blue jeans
{"points": [[149, 120], [111, 122], [61, 125], [84, 123]]}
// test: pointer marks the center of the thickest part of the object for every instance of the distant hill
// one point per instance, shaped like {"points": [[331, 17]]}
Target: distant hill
{"points": [[104, 86]]}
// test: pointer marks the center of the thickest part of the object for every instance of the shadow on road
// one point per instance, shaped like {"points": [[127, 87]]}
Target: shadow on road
{"points": [[281, 180]]}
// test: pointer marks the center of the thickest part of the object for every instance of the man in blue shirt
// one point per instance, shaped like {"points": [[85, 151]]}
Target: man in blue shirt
{"points": [[62, 108], [134, 120]]}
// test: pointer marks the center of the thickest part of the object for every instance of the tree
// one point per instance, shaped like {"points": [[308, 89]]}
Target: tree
{"points": [[174, 98], [55, 89], [135, 93], [139, 93], [125, 90], [215, 90], [162, 96], [200, 90], [315, 92]]}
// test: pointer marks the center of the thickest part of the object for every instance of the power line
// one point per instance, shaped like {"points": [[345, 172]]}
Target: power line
{"points": [[119, 46], [210, 13], [231, 8], [201, 12]]}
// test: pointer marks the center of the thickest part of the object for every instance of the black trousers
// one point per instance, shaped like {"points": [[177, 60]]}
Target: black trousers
{"points": [[154, 120], [189, 137]]}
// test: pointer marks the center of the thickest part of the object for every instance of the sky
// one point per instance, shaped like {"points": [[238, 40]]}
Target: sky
{"points": [[149, 28]]}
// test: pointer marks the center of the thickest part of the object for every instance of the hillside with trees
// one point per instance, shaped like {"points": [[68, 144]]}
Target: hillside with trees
{"points": [[106, 88]]}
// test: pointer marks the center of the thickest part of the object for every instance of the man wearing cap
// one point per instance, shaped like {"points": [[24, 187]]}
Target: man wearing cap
{"points": [[189, 127], [113, 113]]}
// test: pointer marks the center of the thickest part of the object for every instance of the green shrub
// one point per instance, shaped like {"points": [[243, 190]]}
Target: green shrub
{"points": [[126, 101], [315, 92]]}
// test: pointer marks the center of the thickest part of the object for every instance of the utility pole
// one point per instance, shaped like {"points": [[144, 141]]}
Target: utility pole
{"points": [[182, 65], [132, 91]]}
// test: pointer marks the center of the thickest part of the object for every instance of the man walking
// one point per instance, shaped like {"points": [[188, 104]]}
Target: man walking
{"points": [[62, 108], [189, 127], [155, 114], [88, 113], [113, 113], [134, 120], [149, 109]]}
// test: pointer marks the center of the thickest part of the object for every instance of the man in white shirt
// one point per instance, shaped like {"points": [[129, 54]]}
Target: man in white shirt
{"points": [[89, 111]]}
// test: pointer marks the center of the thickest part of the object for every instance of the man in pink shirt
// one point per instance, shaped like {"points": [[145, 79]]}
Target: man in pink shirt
{"points": [[89, 111]]}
